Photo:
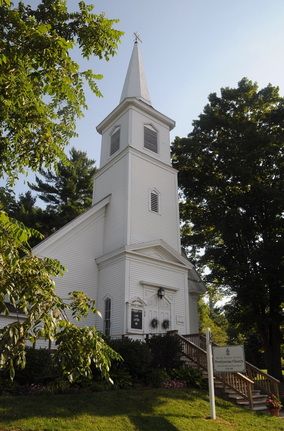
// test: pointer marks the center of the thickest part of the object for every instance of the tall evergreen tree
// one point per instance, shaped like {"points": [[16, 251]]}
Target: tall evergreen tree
{"points": [[231, 173], [68, 191]]}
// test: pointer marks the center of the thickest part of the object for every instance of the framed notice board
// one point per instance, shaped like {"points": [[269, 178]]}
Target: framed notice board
{"points": [[136, 318]]}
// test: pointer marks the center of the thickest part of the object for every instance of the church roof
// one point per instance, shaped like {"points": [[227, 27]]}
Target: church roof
{"points": [[135, 84]]}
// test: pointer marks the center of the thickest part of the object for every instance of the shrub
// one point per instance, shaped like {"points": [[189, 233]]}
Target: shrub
{"points": [[157, 377], [174, 384], [40, 368], [136, 357], [121, 379], [191, 376], [166, 351]]}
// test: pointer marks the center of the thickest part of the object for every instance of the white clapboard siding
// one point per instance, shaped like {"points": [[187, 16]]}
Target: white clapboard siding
{"points": [[112, 285]]}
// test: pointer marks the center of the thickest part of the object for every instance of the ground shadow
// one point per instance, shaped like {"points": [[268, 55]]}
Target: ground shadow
{"points": [[153, 423], [138, 405]]}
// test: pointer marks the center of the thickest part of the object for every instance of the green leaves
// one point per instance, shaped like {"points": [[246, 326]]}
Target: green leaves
{"points": [[41, 96], [231, 176], [26, 284], [41, 86], [81, 348]]}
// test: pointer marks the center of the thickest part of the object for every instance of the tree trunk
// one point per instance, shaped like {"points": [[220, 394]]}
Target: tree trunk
{"points": [[272, 346]]}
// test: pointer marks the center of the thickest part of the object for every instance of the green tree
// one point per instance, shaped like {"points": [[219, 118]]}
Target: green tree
{"points": [[41, 96], [25, 210], [231, 174], [212, 317], [68, 191], [41, 85], [26, 283]]}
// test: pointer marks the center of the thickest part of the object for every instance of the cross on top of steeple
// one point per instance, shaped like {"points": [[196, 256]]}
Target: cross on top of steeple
{"points": [[137, 37]]}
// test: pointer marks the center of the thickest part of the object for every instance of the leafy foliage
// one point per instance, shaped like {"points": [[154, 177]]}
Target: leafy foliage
{"points": [[191, 376], [41, 86], [166, 351], [25, 210], [68, 192], [136, 357], [231, 179], [40, 368], [41, 96], [214, 320], [26, 283]]}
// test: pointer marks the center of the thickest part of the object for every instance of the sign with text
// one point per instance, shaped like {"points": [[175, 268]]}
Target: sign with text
{"points": [[136, 319], [229, 359]]}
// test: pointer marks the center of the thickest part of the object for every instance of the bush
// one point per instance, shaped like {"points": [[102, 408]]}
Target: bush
{"points": [[136, 357], [191, 376], [157, 377], [40, 368], [121, 379], [166, 351]]}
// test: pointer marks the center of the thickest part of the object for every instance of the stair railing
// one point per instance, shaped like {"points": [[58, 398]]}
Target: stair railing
{"points": [[237, 381], [262, 381]]}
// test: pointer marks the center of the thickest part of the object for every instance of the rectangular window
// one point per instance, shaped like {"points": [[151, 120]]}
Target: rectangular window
{"points": [[154, 202], [150, 139], [114, 142]]}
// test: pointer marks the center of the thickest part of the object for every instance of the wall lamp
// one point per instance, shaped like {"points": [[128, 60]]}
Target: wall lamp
{"points": [[161, 292]]}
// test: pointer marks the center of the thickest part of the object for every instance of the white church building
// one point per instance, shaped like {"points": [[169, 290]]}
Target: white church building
{"points": [[125, 250]]}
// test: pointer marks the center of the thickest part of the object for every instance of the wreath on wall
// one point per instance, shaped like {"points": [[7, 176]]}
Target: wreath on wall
{"points": [[166, 324], [154, 323]]}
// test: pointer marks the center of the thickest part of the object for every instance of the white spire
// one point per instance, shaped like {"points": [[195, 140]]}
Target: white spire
{"points": [[135, 84]]}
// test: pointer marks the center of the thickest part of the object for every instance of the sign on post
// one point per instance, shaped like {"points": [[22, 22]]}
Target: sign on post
{"points": [[229, 359]]}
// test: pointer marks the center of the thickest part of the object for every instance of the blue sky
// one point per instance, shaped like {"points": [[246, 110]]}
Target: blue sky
{"points": [[190, 48]]}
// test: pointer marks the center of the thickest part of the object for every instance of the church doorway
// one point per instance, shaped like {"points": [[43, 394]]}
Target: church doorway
{"points": [[158, 312]]}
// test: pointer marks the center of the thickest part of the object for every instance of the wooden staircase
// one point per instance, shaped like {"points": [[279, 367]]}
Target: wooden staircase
{"points": [[249, 389]]}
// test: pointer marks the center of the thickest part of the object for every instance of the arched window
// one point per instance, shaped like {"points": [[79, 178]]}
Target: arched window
{"points": [[115, 140], [107, 316]]}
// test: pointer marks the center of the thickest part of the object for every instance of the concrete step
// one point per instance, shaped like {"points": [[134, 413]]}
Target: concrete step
{"points": [[255, 402], [255, 392], [260, 408], [232, 392]]}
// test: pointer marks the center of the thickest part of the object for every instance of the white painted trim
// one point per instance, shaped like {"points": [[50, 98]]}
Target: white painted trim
{"points": [[142, 106], [158, 285], [134, 301], [133, 250], [133, 151], [129, 191], [164, 245]]}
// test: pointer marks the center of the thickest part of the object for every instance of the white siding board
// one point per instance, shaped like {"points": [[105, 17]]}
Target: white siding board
{"points": [[77, 252], [144, 224], [114, 181], [112, 284]]}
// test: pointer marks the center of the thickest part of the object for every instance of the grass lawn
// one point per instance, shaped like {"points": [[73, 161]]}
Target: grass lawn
{"points": [[139, 410]]}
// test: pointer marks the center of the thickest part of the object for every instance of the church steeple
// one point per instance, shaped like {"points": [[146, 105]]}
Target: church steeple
{"points": [[135, 84]]}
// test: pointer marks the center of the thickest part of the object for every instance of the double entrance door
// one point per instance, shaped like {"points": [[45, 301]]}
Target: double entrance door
{"points": [[158, 314]]}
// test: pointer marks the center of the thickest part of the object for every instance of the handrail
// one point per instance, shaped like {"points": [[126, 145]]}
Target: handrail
{"points": [[237, 381], [263, 381], [262, 372]]}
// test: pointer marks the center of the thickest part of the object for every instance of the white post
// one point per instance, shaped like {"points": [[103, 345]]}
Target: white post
{"points": [[210, 374]]}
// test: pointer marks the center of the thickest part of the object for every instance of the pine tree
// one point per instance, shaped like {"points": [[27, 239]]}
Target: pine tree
{"points": [[68, 191]]}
